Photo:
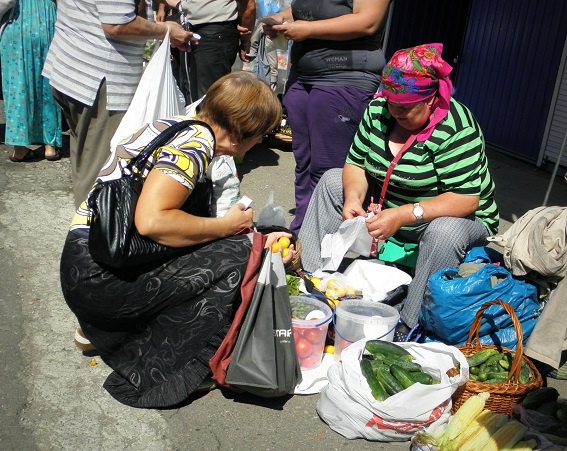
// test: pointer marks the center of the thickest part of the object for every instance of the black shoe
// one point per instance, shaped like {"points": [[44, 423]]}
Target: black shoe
{"points": [[401, 333]]}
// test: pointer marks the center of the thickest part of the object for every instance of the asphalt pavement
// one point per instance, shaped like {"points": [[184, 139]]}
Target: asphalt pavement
{"points": [[51, 395]]}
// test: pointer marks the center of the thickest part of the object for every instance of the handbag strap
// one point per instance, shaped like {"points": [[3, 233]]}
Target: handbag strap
{"points": [[393, 164], [140, 160]]}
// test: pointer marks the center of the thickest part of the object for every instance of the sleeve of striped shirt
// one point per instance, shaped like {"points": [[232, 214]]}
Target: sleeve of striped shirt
{"points": [[116, 12]]}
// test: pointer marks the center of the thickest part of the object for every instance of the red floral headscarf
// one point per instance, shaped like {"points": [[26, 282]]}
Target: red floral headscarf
{"points": [[416, 74]]}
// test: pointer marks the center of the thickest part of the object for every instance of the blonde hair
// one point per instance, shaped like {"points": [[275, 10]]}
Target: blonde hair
{"points": [[243, 105]]}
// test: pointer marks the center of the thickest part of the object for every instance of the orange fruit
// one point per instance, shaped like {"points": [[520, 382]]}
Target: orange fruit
{"points": [[285, 252], [276, 247], [284, 242]]}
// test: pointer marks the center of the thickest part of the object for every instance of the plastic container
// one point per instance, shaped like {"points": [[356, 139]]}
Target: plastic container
{"points": [[357, 319], [309, 323]]}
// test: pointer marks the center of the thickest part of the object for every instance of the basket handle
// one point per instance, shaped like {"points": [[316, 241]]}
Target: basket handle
{"points": [[474, 333]]}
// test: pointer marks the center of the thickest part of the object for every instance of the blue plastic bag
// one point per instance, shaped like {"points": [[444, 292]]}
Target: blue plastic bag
{"points": [[451, 303]]}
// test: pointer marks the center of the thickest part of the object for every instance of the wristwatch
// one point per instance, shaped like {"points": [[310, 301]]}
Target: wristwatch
{"points": [[418, 212]]}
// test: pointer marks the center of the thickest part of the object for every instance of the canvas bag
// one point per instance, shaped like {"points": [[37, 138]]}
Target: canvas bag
{"points": [[264, 361], [220, 361]]}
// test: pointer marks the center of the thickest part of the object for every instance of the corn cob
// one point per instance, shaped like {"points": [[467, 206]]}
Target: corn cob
{"points": [[481, 435], [483, 418], [470, 409], [506, 437]]}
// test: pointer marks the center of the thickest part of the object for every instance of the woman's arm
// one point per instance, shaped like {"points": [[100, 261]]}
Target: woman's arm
{"points": [[386, 223], [158, 215], [365, 20], [355, 187], [283, 16]]}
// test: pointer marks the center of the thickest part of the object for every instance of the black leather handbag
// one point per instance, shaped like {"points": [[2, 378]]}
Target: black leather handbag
{"points": [[113, 239]]}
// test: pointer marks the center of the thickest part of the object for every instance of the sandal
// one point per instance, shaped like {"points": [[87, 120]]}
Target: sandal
{"points": [[31, 155], [55, 157]]}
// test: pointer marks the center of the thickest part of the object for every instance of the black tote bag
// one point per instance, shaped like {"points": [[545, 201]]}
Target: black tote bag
{"points": [[264, 361]]}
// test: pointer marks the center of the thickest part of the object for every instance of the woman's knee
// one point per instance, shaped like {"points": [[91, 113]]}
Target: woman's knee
{"points": [[331, 183], [456, 233]]}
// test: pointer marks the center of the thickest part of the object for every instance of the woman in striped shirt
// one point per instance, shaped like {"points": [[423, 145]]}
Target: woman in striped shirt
{"points": [[439, 194]]}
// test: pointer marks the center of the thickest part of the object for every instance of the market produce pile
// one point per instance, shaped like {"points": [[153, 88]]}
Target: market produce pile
{"points": [[493, 367], [538, 421], [497, 403], [474, 428], [389, 369]]}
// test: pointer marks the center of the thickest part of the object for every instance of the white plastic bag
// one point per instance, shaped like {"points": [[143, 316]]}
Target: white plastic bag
{"points": [[312, 381], [271, 216], [352, 236], [191, 109], [346, 404], [157, 96], [226, 185], [375, 279]]}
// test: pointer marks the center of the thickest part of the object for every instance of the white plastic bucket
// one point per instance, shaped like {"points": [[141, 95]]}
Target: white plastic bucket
{"points": [[310, 329], [356, 319]]}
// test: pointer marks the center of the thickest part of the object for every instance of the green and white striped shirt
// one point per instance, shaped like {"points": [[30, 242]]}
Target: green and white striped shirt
{"points": [[453, 159]]}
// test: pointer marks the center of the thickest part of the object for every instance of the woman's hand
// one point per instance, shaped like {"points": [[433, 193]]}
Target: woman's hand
{"points": [[355, 187], [385, 223], [273, 237], [294, 31], [237, 218], [388, 221], [352, 208], [282, 17]]}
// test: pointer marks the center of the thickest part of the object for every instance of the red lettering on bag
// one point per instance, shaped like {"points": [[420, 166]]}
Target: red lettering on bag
{"points": [[380, 423]]}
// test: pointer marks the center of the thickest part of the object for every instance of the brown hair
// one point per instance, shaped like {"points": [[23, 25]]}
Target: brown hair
{"points": [[243, 105]]}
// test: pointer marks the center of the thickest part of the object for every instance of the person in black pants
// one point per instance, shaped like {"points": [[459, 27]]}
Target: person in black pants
{"points": [[225, 31]]}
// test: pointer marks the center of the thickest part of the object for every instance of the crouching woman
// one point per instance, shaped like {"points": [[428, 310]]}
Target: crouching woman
{"points": [[157, 325]]}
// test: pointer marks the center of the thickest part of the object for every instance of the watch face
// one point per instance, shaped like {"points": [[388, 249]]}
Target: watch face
{"points": [[418, 211]]}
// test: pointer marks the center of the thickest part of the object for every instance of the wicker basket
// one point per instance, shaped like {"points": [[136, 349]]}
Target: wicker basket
{"points": [[502, 396]]}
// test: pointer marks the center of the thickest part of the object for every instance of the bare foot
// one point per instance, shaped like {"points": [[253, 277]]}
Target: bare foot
{"points": [[20, 152], [49, 151]]}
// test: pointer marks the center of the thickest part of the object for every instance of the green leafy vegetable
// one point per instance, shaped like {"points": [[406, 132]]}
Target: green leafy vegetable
{"points": [[292, 284]]}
